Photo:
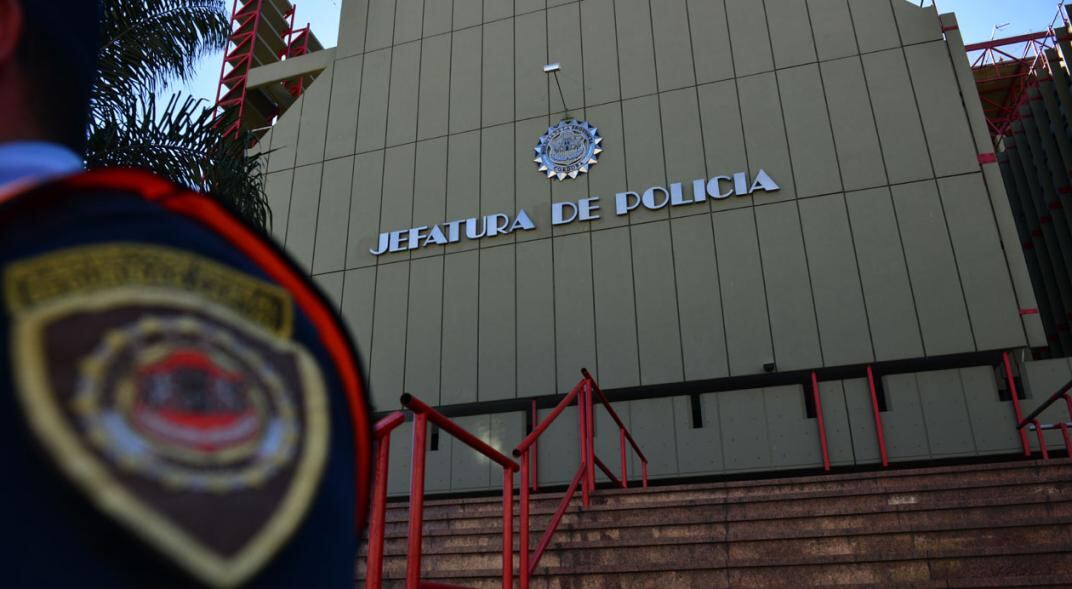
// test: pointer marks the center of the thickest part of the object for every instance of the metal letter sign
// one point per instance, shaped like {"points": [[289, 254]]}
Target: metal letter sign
{"points": [[568, 149]]}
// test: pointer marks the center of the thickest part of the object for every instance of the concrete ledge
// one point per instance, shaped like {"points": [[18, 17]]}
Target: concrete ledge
{"points": [[280, 71]]}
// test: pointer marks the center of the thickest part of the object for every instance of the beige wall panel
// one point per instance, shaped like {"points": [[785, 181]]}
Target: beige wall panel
{"points": [[887, 290], [985, 279], [710, 41], [463, 185], [942, 109], [405, 82], [342, 119], [468, 13], [533, 191], [557, 449], [700, 448], [524, 6], [945, 413], [683, 141], [530, 40], [789, 296], [331, 284], [497, 343], [469, 469], [372, 114], [536, 374], [743, 427], [835, 281], [564, 46], [875, 26], [932, 267], [381, 24], [301, 223], [352, 28], [277, 188], [643, 152], [497, 9], [409, 20], [636, 52], [575, 345], [831, 24], [699, 298], [333, 216], [615, 309], [608, 177], [358, 297], [986, 410], [858, 150], [285, 138], [365, 209], [497, 178], [749, 36], [461, 273], [466, 55], [651, 422], [397, 210], [600, 53], [790, 32], [312, 135], [917, 24], [424, 325], [434, 104], [723, 136], [764, 133], [673, 49], [387, 367], [437, 17], [743, 297], [430, 189], [656, 302], [899, 130], [498, 97], [811, 141]]}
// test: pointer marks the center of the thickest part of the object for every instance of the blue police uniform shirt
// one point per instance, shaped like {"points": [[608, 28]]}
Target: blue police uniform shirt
{"points": [[49, 518], [35, 162]]}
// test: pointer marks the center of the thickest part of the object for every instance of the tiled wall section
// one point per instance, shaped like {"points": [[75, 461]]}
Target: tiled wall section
{"points": [[881, 245]]}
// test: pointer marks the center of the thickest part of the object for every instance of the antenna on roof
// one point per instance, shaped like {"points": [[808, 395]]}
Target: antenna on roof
{"points": [[997, 29], [554, 68]]}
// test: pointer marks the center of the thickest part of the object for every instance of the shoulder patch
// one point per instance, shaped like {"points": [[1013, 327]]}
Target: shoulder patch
{"points": [[181, 411]]}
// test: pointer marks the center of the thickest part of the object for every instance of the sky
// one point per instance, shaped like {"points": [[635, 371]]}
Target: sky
{"points": [[977, 19]]}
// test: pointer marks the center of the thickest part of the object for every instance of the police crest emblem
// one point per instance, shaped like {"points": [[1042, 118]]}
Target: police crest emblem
{"points": [[166, 388], [568, 149]]}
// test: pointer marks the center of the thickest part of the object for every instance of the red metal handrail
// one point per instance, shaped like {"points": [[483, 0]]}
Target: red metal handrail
{"points": [[1032, 420], [584, 478], [422, 415]]}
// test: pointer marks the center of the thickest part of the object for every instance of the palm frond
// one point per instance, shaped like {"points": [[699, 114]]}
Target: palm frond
{"points": [[181, 143], [147, 43]]}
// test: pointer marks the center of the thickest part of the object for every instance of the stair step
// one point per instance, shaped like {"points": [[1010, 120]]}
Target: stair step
{"points": [[695, 529]]}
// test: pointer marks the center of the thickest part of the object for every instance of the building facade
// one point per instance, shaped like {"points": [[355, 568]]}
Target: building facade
{"points": [[881, 236]]}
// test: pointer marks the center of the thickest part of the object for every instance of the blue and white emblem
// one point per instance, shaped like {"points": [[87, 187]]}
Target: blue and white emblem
{"points": [[568, 149]]}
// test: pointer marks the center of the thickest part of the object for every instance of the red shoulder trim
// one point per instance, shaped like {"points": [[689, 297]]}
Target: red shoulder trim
{"points": [[211, 214]]}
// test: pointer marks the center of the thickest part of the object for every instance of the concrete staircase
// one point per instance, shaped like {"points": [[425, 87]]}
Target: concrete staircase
{"points": [[991, 525]]}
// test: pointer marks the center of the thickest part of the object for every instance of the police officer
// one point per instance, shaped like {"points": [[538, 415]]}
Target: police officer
{"points": [[179, 404]]}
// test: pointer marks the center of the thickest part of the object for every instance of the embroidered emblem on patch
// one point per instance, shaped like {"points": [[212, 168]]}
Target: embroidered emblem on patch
{"points": [[198, 429]]}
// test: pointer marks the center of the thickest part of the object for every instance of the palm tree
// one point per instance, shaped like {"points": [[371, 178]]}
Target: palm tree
{"points": [[148, 44]]}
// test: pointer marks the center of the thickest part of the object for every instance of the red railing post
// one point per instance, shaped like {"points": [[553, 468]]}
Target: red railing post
{"points": [[1041, 440], [819, 416], [1068, 440], [644, 471], [378, 518], [879, 431], [523, 516], [590, 457], [535, 475], [625, 470], [1015, 396], [508, 529], [416, 502], [582, 433]]}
